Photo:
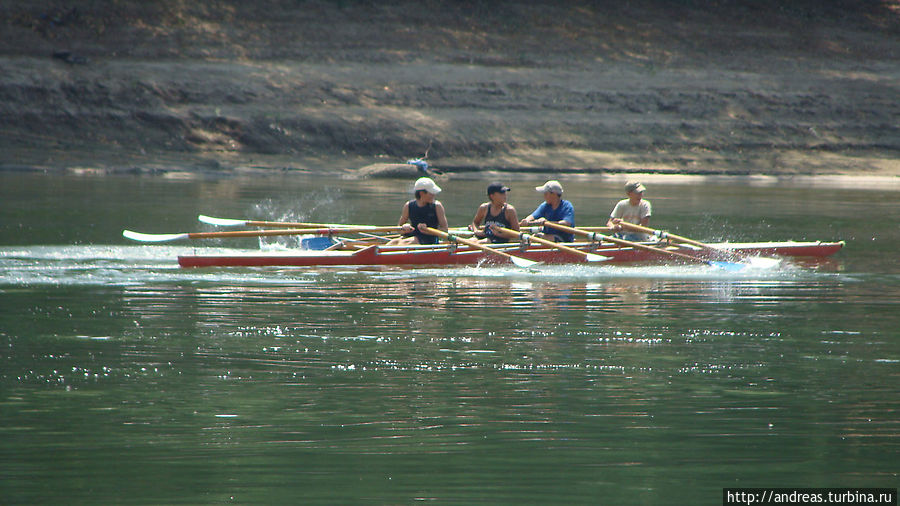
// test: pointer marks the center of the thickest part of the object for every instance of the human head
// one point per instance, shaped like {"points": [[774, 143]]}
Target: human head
{"points": [[497, 188], [497, 193], [634, 186], [551, 186], [426, 184]]}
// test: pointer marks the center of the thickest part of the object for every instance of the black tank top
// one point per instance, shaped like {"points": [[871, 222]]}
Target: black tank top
{"points": [[500, 220], [426, 215]]}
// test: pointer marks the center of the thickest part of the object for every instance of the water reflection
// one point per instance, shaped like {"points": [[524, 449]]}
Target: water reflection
{"points": [[419, 305], [462, 384], [441, 324]]}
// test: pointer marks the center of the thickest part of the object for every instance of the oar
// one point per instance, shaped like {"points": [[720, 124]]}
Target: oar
{"points": [[226, 222], [622, 242], [662, 234], [590, 257], [597, 229], [518, 261], [759, 261], [377, 237], [137, 236]]}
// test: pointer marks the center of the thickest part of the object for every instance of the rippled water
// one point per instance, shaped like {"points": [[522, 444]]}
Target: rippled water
{"points": [[127, 379]]}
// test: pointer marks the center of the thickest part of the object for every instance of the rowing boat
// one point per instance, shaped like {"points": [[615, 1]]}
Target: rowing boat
{"points": [[460, 254]]}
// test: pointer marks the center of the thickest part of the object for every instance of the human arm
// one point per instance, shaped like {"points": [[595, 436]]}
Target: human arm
{"points": [[532, 219], [645, 216], [478, 219], [568, 214], [403, 223], [442, 217], [615, 217], [512, 217], [564, 214]]}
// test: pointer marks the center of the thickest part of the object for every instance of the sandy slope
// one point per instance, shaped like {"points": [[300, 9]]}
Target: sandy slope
{"points": [[700, 88]]}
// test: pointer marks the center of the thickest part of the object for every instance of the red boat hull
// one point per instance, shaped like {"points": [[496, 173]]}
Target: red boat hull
{"points": [[449, 255]]}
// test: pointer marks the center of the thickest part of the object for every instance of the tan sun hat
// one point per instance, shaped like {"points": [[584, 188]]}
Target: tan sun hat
{"points": [[634, 186]]}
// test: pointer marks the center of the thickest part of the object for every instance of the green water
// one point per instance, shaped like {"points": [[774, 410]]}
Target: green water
{"points": [[124, 379]]}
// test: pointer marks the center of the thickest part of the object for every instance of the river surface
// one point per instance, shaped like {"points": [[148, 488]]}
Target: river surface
{"points": [[126, 379]]}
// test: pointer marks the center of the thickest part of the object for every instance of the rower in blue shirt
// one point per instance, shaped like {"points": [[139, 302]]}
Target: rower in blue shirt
{"points": [[554, 209]]}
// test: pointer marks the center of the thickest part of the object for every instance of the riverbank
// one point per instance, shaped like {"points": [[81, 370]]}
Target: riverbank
{"points": [[529, 87]]}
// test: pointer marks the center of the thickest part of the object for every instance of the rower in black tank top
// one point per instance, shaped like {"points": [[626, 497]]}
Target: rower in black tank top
{"points": [[427, 215], [496, 219]]}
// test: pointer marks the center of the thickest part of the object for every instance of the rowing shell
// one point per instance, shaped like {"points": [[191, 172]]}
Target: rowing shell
{"points": [[461, 255]]}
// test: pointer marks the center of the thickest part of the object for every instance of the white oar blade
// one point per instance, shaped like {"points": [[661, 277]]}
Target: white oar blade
{"points": [[523, 262], [137, 236], [590, 257], [221, 222]]}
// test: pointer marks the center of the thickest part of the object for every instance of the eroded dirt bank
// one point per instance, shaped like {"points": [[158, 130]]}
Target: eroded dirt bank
{"points": [[705, 87]]}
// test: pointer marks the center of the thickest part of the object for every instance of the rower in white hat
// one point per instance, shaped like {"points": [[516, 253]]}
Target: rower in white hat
{"points": [[554, 209], [420, 213]]}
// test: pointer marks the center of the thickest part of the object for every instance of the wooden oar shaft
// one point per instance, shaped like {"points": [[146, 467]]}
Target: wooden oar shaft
{"points": [[467, 242], [596, 229], [228, 222], [623, 242], [545, 242], [289, 231], [343, 227], [137, 236], [293, 224], [522, 262], [677, 238], [663, 235]]}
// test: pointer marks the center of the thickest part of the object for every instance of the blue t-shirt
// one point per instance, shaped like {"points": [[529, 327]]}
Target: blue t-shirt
{"points": [[564, 211]]}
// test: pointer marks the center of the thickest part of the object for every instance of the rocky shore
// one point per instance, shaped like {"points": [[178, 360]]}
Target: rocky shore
{"points": [[797, 88]]}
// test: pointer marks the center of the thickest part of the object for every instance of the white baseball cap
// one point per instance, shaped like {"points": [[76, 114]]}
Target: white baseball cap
{"points": [[425, 183], [552, 186]]}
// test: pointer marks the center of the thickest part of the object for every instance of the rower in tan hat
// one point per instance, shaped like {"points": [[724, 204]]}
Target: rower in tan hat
{"points": [[634, 209]]}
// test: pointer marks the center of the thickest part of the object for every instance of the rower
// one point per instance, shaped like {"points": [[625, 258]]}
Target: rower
{"points": [[496, 211], [634, 209], [421, 213], [554, 209]]}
